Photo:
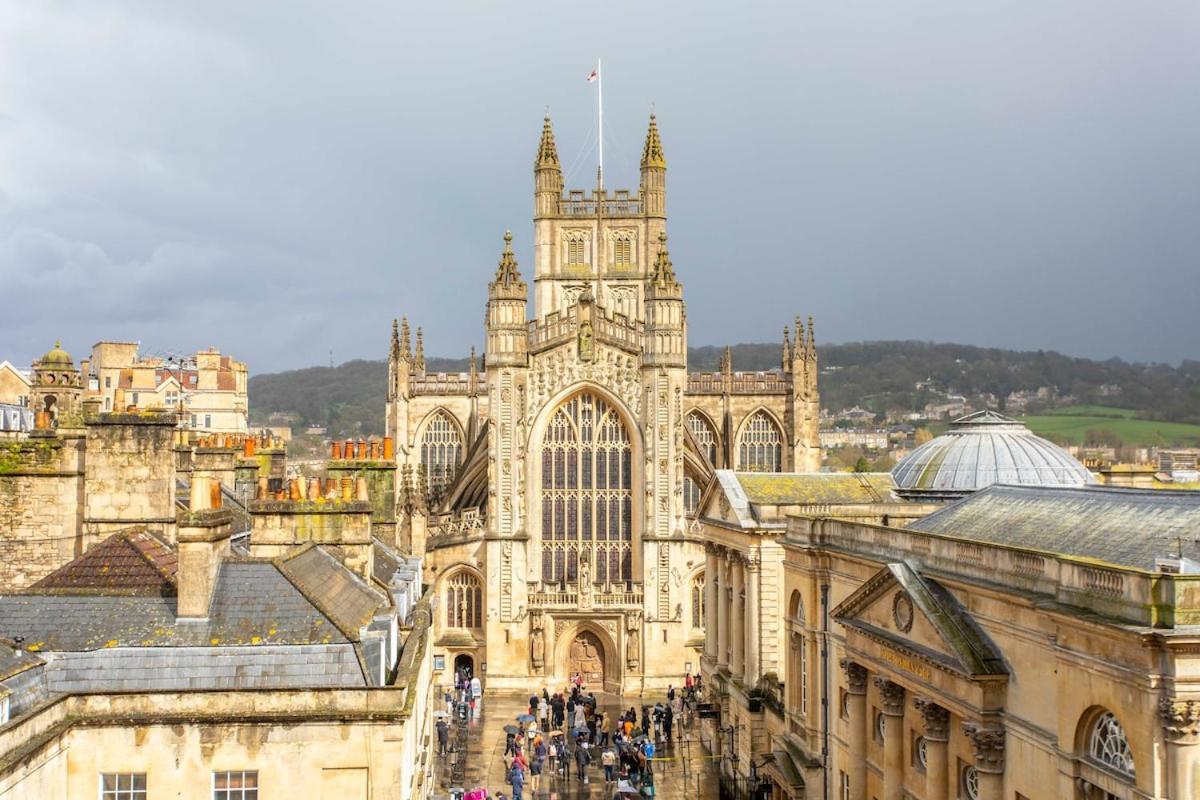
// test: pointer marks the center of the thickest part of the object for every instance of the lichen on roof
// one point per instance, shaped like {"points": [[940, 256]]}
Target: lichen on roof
{"points": [[791, 489]]}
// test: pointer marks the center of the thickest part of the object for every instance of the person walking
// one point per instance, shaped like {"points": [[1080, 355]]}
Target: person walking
{"points": [[582, 759], [517, 778], [608, 759], [443, 734]]}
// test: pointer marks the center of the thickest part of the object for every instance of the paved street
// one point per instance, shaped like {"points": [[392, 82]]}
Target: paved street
{"points": [[681, 771]]}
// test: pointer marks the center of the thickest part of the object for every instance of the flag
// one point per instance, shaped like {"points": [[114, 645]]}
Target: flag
{"points": [[594, 76]]}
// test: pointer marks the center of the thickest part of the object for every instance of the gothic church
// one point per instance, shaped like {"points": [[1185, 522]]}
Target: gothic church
{"points": [[550, 490]]}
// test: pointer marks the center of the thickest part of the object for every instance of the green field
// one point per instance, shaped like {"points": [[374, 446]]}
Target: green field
{"points": [[1069, 425]]}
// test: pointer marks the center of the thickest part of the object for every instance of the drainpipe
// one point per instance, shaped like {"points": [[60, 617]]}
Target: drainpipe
{"points": [[825, 688]]}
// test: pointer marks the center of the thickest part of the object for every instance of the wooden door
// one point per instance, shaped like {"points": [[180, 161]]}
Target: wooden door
{"points": [[586, 656]]}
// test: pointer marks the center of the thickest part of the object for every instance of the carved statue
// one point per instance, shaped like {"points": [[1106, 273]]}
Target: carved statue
{"points": [[537, 642], [633, 639], [586, 348]]}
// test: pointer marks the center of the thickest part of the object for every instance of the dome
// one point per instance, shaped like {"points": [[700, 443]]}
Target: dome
{"points": [[56, 357], [981, 449]]}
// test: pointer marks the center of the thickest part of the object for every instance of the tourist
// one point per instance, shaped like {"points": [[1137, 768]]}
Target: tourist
{"points": [[668, 722], [608, 759], [543, 711], [516, 776], [536, 766], [443, 736], [582, 759]]}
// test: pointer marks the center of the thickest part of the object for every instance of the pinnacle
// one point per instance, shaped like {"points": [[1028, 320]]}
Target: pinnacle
{"points": [[652, 153], [508, 276], [547, 154]]}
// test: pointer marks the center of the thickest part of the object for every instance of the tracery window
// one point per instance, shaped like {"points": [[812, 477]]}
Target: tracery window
{"points": [[1108, 745], [704, 434], [464, 601], [587, 496], [761, 446], [576, 242], [623, 251], [691, 495], [698, 602], [441, 452], [970, 783]]}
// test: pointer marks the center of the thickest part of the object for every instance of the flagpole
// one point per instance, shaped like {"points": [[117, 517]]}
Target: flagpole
{"points": [[600, 116]]}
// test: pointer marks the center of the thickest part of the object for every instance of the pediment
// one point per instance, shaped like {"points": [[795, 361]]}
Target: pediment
{"points": [[917, 617]]}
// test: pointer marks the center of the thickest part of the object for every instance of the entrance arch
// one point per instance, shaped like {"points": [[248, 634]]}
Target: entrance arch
{"points": [[464, 665], [588, 647], [585, 656]]}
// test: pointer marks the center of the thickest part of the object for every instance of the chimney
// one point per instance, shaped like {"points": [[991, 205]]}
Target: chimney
{"points": [[203, 538]]}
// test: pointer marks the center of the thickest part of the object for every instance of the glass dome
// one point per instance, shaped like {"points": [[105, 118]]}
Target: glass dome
{"points": [[981, 449]]}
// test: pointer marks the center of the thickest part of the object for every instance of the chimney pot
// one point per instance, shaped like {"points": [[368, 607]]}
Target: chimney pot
{"points": [[214, 493], [360, 487], [389, 448]]}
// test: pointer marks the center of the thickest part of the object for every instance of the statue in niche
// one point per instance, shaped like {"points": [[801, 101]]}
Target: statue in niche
{"points": [[633, 634], [537, 642], [585, 580], [587, 349]]}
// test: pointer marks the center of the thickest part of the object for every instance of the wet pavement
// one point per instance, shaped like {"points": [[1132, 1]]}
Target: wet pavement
{"points": [[682, 768]]}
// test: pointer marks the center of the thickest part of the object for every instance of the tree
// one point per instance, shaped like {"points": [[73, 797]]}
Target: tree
{"points": [[862, 465]]}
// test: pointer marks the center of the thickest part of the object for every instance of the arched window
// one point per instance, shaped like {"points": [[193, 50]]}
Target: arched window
{"points": [[441, 451], [797, 677], [761, 446], [1107, 744], [698, 602], [691, 495], [464, 601], [704, 434], [587, 493]]}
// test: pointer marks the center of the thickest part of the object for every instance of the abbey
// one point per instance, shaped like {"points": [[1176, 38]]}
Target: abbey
{"points": [[550, 489]]}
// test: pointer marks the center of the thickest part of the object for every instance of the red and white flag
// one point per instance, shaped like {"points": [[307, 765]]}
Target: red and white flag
{"points": [[593, 76]]}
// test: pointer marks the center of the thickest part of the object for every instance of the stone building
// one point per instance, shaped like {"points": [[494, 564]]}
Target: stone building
{"points": [[1019, 643], [549, 488]]}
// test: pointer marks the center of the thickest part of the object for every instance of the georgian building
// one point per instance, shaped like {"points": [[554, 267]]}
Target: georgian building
{"points": [[549, 488], [1022, 643]]}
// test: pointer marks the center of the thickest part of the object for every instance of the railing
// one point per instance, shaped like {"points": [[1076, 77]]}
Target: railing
{"points": [[602, 596], [464, 523], [441, 383], [620, 332], [614, 207], [552, 327], [767, 382]]}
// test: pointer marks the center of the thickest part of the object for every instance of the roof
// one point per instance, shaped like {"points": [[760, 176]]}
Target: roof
{"points": [[56, 357], [14, 661], [128, 562], [746, 491], [384, 563], [341, 595], [1126, 527], [253, 604], [985, 448]]}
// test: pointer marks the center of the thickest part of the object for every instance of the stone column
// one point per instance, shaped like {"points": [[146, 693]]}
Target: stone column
{"points": [[891, 702], [937, 735], [1181, 721], [753, 620], [711, 629], [737, 618], [988, 744], [856, 706], [723, 611]]}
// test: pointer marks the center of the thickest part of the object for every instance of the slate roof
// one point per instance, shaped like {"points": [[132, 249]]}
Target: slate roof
{"points": [[345, 598], [253, 604], [13, 661], [1126, 527], [385, 563], [745, 491], [129, 562]]}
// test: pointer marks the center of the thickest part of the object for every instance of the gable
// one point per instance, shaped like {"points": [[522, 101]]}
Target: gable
{"points": [[917, 617]]}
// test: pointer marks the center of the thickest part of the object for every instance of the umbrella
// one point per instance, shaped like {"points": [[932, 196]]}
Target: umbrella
{"points": [[440, 714], [556, 733], [525, 718], [512, 729]]}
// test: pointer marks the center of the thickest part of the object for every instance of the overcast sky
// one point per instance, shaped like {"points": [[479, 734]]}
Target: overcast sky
{"points": [[280, 180]]}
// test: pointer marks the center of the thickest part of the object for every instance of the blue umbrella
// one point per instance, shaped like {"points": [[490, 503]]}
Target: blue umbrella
{"points": [[525, 718]]}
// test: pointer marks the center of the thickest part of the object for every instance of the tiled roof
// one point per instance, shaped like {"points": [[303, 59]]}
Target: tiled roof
{"points": [[793, 489], [14, 661], [128, 562], [1128, 527], [385, 563], [338, 592]]}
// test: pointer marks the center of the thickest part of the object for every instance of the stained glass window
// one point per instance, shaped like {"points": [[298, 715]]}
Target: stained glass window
{"points": [[704, 434], [441, 451], [691, 495], [761, 446], [588, 484], [464, 601]]}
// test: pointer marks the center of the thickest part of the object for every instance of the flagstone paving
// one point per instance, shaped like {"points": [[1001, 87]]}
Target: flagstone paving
{"points": [[682, 769]]}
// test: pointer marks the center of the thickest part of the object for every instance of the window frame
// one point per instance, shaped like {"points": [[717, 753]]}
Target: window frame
{"points": [[227, 793], [118, 793]]}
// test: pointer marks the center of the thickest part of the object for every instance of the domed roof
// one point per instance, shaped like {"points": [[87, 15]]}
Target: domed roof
{"points": [[56, 357], [985, 448]]}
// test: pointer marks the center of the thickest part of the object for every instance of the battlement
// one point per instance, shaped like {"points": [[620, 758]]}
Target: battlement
{"points": [[621, 203], [764, 382], [612, 328]]}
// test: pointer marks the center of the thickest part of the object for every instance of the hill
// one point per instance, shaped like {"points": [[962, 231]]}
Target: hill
{"points": [[880, 376]]}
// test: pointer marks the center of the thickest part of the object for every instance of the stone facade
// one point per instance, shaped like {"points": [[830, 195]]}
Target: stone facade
{"points": [[596, 384], [130, 474], [41, 506]]}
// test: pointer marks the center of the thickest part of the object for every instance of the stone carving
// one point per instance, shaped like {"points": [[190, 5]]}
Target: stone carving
{"points": [[585, 580], [633, 629], [891, 696], [988, 744], [537, 643], [1181, 718], [856, 676], [937, 719], [587, 350]]}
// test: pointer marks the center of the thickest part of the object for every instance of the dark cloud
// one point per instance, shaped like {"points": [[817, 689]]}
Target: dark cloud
{"points": [[279, 180]]}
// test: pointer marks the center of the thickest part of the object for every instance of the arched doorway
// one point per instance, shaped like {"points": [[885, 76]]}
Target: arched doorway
{"points": [[464, 666], [585, 656]]}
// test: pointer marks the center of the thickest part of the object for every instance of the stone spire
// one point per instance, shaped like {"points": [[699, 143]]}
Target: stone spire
{"points": [[547, 154], [508, 281], [473, 372], [786, 358], [405, 350], [727, 361], [810, 350], [662, 278], [652, 152], [394, 351], [419, 358]]}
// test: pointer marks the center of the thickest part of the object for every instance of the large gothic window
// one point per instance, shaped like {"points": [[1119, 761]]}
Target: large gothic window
{"points": [[441, 451], [587, 497], [704, 434], [761, 446], [464, 601]]}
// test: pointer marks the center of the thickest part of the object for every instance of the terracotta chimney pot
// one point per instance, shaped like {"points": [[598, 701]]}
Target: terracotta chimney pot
{"points": [[347, 489], [214, 494], [335, 450], [262, 489], [360, 490], [314, 488], [199, 497], [389, 448]]}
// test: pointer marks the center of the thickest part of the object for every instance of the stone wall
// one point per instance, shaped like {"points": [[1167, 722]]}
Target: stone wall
{"points": [[130, 474], [381, 488], [41, 504], [279, 525]]}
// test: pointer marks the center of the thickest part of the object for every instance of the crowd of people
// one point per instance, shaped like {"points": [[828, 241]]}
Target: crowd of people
{"points": [[564, 736]]}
